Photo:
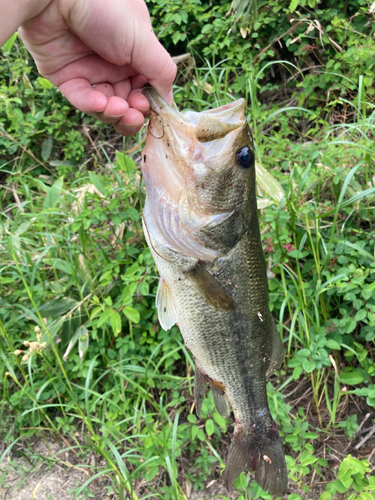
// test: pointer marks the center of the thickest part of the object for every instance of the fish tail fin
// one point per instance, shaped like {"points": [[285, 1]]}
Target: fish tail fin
{"points": [[261, 453]]}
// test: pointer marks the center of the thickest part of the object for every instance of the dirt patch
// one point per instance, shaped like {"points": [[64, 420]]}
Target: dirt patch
{"points": [[51, 474]]}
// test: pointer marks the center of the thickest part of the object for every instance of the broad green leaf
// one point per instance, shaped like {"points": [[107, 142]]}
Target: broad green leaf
{"points": [[293, 5], [351, 465], [201, 435], [125, 163], [268, 183], [220, 421], [364, 391], [95, 312], [340, 487], [207, 28], [258, 492], [104, 317], [144, 288], [192, 418], [53, 194], [150, 474], [132, 314], [307, 459], [44, 83], [366, 496], [351, 378], [311, 435], [95, 179], [176, 37], [308, 366], [194, 431], [116, 323], [47, 148], [7, 47], [350, 326], [332, 344], [361, 314], [133, 213], [325, 496], [210, 427], [296, 254]]}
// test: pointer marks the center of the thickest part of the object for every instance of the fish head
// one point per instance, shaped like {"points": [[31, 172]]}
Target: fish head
{"points": [[199, 169]]}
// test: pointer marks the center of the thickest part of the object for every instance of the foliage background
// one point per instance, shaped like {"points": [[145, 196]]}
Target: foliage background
{"points": [[82, 354]]}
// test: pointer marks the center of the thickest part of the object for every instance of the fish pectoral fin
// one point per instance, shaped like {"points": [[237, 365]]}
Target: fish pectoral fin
{"points": [[200, 386], [221, 401], [211, 290], [277, 351], [165, 306]]}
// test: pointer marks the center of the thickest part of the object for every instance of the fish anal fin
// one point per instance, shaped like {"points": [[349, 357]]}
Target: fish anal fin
{"points": [[200, 386], [262, 453], [165, 306], [221, 401], [277, 351], [211, 289]]}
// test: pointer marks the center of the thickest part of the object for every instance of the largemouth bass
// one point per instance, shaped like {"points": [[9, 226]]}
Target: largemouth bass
{"points": [[201, 224]]}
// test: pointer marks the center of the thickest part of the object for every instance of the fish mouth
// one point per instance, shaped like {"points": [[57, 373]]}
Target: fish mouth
{"points": [[158, 106], [193, 130]]}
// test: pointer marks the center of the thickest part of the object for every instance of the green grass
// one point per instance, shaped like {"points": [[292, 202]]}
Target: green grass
{"points": [[76, 275]]}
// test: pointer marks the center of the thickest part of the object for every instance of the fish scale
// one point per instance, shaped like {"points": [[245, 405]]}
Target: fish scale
{"points": [[219, 302]]}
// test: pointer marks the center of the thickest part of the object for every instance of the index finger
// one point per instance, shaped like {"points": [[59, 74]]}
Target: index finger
{"points": [[151, 60]]}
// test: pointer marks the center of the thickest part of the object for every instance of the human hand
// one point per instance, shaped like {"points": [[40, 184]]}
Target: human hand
{"points": [[99, 53]]}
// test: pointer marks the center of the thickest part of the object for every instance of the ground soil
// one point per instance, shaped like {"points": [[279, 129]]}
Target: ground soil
{"points": [[41, 477]]}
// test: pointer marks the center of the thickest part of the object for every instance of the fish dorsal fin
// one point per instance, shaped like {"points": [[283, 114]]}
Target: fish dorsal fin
{"points": [[277, 351], [209, 128], [165, 306], [211, 289]]}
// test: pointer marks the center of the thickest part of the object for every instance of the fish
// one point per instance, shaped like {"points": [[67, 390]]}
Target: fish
{"points": [[200, 222]]}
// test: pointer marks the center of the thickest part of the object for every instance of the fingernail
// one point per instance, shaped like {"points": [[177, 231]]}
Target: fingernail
{"points": [[117, 116]]}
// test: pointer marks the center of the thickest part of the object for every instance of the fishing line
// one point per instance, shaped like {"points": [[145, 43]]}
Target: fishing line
{"points": [[149, 129]]}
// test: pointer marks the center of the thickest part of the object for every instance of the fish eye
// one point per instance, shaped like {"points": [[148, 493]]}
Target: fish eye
{"points": [[245, 157]]}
